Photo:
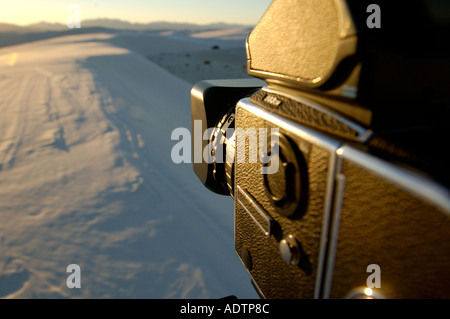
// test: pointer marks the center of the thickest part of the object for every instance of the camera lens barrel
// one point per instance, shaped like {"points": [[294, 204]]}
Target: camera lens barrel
{"points": [[212, 102], [223, 152]]}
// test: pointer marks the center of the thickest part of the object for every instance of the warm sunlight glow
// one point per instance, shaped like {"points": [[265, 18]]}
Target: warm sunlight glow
{"points": [[27, 12], [13, 59], [368, 292], [8, 58]]}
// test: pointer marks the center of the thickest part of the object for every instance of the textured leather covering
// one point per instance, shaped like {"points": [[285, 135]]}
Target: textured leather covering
{"points": [[274, 277], [382, 224], [299, 39]]}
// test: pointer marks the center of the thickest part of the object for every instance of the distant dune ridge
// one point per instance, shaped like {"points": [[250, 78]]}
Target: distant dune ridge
{"points": [[118, 24], [86, 175], [11, 34]]}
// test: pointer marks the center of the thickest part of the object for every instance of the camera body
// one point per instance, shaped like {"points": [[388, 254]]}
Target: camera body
{"points": [[339, 184]]}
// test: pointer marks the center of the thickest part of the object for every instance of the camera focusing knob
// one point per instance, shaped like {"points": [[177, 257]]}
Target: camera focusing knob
{"points": [[287, 189], [290, 250]]}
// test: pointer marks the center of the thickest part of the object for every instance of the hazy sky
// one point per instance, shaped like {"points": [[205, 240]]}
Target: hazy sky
{"points": [[24, 12]]}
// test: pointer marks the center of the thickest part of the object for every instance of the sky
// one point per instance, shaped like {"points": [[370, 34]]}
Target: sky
{"points": [[23, 12]]}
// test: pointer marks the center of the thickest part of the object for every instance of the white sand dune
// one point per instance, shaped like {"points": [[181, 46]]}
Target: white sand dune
{"points": [[86, 176], [226, 34]]}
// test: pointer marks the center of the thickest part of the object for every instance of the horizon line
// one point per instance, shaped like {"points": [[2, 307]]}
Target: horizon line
{"points": [[129, 22]]}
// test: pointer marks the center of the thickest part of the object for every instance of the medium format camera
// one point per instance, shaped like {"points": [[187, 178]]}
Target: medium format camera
{"points": [[336, 150]]}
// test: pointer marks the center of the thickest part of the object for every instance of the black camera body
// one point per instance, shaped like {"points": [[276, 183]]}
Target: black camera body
{"points": [[337, 161]]}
